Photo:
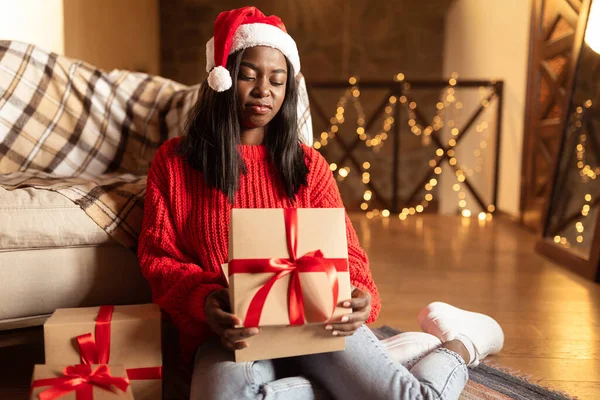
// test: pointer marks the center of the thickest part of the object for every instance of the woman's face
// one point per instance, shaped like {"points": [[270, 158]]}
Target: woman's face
{"points": [[261, 85]]}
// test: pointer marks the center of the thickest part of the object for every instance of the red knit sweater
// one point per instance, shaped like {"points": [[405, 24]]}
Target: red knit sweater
{"points": [[184, 238]]}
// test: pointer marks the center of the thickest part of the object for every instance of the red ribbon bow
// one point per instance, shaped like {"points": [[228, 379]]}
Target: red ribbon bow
{"points": [[98, 351], [313, 261], [81, 379]]}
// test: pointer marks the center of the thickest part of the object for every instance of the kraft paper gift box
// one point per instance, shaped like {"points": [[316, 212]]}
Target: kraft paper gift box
{"points": [[131, 337], [53, 377], [261, 234]]}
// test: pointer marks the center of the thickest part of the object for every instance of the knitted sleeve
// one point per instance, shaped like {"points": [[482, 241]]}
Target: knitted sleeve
{"points": [[325, 194], [179, 285]]}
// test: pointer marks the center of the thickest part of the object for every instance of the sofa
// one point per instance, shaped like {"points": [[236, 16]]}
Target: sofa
{"points": [[76, 144]]}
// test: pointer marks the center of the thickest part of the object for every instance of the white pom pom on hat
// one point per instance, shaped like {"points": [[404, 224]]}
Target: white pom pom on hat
{"points": [[243, 28], [219, 79]]}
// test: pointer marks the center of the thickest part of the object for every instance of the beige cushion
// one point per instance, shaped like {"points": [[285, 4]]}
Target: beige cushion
{"points": [[36, 218], [36, 282]]}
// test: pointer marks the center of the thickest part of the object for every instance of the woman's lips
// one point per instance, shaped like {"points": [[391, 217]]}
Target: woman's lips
{"points": [[258, 109]]}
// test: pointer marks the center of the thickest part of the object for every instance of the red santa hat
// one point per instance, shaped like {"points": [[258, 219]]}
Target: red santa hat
{"points": [[241, 29]]}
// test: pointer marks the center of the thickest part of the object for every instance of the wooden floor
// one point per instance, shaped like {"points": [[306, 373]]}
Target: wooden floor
{"points": [[550, 316]]}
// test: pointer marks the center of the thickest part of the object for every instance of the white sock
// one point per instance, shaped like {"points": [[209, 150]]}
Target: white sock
{"points": [[468, 343]]}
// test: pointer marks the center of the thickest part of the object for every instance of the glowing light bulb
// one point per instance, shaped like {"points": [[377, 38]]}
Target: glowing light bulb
{"points": [[592, 32]]}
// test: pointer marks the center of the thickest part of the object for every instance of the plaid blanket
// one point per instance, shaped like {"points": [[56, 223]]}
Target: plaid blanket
{"points": [[88, 134]]}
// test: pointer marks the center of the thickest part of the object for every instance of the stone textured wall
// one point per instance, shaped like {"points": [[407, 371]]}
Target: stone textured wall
{"points": [[372, 39]]}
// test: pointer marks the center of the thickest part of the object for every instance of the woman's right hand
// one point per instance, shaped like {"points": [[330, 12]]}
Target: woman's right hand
{"points": [[223, 323]]}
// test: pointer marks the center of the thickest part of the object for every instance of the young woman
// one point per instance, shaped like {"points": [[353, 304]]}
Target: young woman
{"points": [[242, 150]]}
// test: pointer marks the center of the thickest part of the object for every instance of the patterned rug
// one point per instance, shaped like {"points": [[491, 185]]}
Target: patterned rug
{"points": [[489, 383]]}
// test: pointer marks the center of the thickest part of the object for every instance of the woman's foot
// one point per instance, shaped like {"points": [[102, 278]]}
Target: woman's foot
{"points": [[480, 334], [409, 347]]}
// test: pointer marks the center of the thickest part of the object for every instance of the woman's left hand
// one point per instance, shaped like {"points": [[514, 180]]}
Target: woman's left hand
{"points": [[361, 309]]}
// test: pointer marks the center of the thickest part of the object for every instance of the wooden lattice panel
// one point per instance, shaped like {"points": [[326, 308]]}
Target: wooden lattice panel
{"points": [[554, 25]]}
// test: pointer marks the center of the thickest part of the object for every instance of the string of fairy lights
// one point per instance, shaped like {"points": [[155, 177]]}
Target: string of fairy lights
{"points": [[587, 173], [447, 101]]}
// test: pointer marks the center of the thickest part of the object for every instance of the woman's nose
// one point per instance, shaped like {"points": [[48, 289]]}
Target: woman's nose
{"points": [[262, 88]]}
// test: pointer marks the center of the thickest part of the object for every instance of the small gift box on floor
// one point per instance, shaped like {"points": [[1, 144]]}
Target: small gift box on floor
{"points": [[123, 335], [80, 382], [288, 269]]}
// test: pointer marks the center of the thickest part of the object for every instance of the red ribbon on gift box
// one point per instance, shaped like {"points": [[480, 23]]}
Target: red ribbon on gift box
{"points": [[98, 351], [80, 379], [313, 261]]}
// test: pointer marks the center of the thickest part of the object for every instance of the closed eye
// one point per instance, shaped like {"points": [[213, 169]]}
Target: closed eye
{"points": [[276, 83]]}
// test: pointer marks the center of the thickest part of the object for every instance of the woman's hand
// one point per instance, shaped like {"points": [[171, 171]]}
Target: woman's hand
{"points": [[361, 309], [222, 322]]}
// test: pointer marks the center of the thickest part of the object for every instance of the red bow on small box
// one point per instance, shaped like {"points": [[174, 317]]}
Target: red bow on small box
{"points": [[98, 351], [313, 261], [80, 379]]}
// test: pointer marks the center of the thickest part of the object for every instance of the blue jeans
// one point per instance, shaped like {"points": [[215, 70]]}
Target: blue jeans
{"points": [[365, 370]]}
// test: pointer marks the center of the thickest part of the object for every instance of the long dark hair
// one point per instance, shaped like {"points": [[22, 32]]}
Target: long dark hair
{"points": [[213, 132]]}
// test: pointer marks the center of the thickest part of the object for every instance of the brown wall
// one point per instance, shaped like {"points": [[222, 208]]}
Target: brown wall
{"points": [[113, 34], [336, 38]]}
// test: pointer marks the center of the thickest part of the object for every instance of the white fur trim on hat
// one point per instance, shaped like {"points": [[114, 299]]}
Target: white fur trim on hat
{"points": [[258, 34], [210, 54]]}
